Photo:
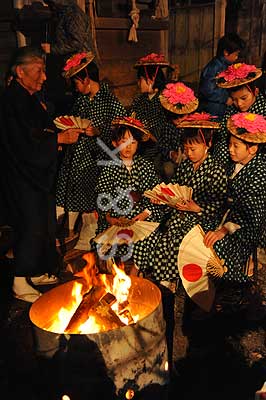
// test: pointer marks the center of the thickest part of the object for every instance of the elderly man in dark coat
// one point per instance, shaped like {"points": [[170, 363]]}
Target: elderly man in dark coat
{"points": [[28, 161]]}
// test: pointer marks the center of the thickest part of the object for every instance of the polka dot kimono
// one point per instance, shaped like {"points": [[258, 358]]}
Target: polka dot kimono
{"points": [[78, 173], [159, 252], [248, 209]]}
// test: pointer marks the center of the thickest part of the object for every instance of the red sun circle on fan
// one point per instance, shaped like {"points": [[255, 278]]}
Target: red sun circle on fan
{"points": [[192, 272]]}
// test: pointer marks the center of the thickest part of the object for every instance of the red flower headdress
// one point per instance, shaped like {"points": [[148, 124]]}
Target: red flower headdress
{"points": [[76, 63], [152, 59], [133, 122], [198, 120]]}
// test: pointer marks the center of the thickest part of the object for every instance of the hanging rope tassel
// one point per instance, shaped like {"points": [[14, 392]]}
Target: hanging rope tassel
{"points": [[134, 14]]}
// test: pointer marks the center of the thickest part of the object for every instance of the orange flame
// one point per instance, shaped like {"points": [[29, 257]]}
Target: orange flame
{"points": [[118, 285], [65, 313]]}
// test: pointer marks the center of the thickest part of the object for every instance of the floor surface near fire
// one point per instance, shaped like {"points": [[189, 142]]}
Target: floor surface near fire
{"points": [[222, 357]]}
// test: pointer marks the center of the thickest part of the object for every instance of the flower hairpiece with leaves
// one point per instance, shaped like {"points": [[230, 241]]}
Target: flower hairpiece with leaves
{"points": [[75, 60], [237, 71], [249, 122]]}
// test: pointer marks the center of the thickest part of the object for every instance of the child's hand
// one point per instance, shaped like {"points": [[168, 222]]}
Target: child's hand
{"points": [[141, 217], [155, 201], [229, 101], [119, 221], [188, 205], [91, 131], [176, 156], [46, 47], [212, 237]]}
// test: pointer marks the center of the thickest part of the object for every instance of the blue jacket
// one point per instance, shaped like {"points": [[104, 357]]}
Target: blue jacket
{"points": [[212, 99]]}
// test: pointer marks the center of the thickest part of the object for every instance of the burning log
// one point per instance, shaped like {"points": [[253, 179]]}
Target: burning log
{"points": [[82, 312], [105, 315], [124, 312], [97, 304]]}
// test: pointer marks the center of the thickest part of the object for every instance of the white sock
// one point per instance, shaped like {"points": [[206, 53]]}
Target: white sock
{"points": [[59, 211], [21, 286], [72, 217]]}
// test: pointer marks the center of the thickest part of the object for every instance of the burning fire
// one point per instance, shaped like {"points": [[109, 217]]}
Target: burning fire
{"points": [[65, 314], [99, 303]]}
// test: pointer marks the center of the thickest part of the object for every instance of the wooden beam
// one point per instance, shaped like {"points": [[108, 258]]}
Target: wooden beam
{"points": [[81, 4], [219, 21]]}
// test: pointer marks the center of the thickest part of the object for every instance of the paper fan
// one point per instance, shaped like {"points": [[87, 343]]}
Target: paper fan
{"points": [[117, 235], [69, 121], [196, 263], [169, 194]]}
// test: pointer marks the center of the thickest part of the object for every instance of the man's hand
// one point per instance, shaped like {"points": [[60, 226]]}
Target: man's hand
{"points": [[69, 136]]}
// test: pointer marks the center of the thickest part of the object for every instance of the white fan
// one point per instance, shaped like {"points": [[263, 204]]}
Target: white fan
{"points": [[69, 121], [117, 235], [196, 264], [169, 194]]}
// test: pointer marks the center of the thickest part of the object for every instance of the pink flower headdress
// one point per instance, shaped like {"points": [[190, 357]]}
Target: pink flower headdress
{"points": [[76, 63], [247, 126], [238, 74], [178, 98]]}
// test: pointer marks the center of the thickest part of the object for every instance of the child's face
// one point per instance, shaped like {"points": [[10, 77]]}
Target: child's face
{"points": [[243, 98], [239, 151], [196, 152], [145, 86], [82, 85], [231, 57], [127, 146]]}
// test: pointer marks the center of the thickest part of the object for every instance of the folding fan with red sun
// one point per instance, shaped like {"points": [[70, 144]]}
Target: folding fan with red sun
{"points": [[117, 235], [197, 264]]}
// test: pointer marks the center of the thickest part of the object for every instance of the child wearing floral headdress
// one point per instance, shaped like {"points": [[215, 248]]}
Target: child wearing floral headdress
{"points": [[178, 101], [147, 106], [158, 253], [79, 168], [123, 181], [237, 237], [240, 80]]}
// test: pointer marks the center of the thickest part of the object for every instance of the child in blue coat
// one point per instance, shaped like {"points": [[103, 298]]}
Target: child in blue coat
{"points": [[213, 99]]}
